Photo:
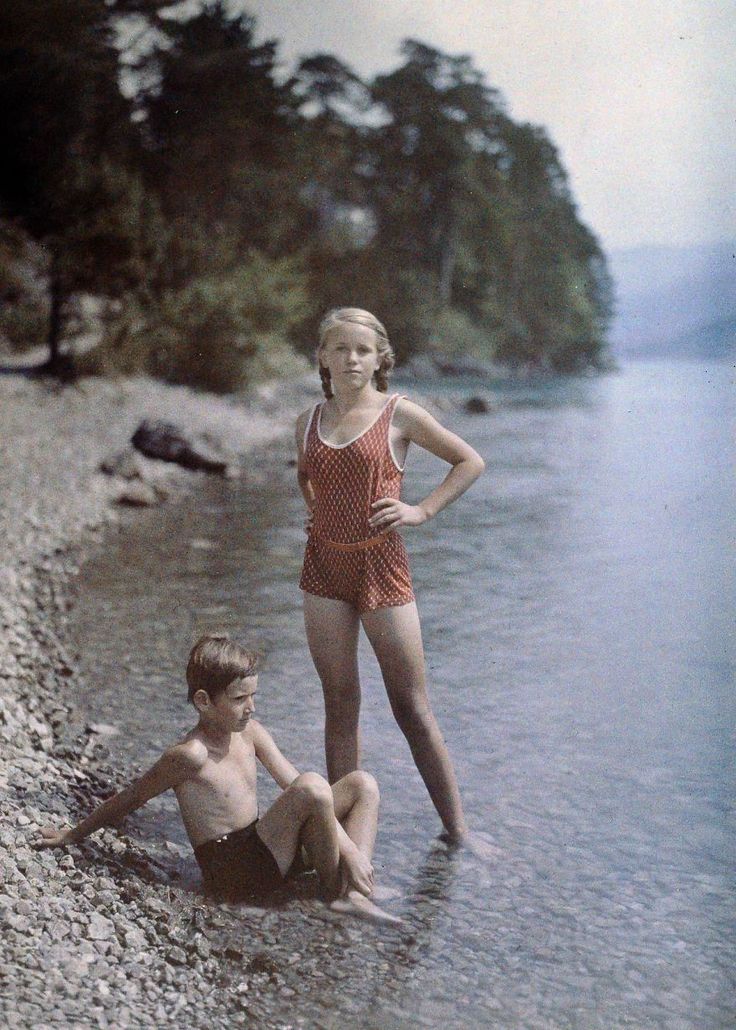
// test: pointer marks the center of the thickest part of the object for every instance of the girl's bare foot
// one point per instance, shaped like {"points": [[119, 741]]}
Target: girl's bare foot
{"points": [[476, 844]]}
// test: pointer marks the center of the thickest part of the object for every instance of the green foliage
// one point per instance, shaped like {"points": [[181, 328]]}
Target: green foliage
{"points": [[457, 335], [370, 278], [65, 130], [218, 129], [215, 333], [23, 300], [225, 209]]}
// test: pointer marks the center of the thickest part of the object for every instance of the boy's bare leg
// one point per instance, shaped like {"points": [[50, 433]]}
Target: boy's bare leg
{"points": [[332, 634], [356, 799], [304, 813]]}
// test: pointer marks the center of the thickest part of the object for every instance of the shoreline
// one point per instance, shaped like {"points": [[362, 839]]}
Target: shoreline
{"points": [[100, 934]]}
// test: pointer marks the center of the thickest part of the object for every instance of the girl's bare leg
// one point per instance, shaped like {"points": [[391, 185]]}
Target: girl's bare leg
{"points": [[332, 634], [396, 637]]}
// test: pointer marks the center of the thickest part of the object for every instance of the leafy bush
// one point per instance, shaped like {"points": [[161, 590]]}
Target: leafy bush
{"points": [[216, 333], [23, 301], [456, 335]]}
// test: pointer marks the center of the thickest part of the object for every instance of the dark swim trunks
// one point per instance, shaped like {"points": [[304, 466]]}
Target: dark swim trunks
{"points": [[238, 865]]}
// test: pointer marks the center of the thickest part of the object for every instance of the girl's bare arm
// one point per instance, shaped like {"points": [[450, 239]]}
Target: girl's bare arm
{"points": [[419, 427], [304, 485]]}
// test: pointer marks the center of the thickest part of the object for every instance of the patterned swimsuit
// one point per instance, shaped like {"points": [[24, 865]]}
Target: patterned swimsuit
{"points": [[347, 559]]}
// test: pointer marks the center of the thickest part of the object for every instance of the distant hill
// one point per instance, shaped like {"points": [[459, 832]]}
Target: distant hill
{"points": [[675, 301]]}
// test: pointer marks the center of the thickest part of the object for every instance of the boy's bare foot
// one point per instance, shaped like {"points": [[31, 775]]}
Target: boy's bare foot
{"points": [[356, 904], [381, 893]]}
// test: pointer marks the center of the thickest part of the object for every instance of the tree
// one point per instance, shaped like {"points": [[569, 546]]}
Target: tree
{"points": [[441, 116], [219, 131], [66, 136], [557, 288], [482, 206]]}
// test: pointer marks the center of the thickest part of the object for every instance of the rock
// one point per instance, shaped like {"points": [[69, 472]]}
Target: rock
{"points": [[125, 464], [100, 928], [477, 405], [460, 365], [138, 494], [167, 442], [103, 729], [134, 938]]}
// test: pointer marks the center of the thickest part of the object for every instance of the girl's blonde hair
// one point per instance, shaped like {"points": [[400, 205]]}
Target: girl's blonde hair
{"points": [[356, 316]]}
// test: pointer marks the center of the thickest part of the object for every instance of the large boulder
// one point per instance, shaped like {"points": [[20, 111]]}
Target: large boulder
{"points": [[167, 442]]}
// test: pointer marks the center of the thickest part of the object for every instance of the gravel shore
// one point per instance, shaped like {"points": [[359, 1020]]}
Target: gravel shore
{"points": [[102, 934]]}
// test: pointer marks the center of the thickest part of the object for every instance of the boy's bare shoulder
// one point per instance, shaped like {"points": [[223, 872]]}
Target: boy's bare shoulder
{"points": [[257, 731], [189, 755]]}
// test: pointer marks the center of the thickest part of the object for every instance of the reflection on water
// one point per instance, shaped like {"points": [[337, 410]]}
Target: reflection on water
{"points": [[577, 609]]}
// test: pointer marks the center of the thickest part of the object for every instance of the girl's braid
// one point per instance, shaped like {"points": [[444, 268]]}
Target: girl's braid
{"points": [[324, 374]]}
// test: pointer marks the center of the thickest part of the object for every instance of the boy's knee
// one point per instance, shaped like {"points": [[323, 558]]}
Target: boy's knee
{"points": [[364, 784], [313, 787]]}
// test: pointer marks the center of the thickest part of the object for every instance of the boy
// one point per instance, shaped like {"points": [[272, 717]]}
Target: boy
{"points": [[213, 774]]}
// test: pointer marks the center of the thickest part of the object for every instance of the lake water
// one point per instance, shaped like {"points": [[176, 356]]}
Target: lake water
{"points": [[577, 607]]}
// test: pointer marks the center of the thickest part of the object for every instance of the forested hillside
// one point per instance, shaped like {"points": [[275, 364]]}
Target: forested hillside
{"points": [[217, 208]]}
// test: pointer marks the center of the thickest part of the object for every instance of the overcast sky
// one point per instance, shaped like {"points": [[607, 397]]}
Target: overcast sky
{"points": [[638, 95]]}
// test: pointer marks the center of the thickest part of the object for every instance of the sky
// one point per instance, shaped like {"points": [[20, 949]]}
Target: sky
{"points": [[639, 96]]}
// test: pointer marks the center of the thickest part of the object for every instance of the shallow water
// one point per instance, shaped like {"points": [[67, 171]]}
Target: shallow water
{"points": [[577, 611]]}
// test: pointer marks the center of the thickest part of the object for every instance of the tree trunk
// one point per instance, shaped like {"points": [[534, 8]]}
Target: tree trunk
{"points": [[55, 318], [61, 365], [447, 239], [448, 250]]}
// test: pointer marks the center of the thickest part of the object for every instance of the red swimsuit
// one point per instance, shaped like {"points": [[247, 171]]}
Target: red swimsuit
{"points": [[347, 559]]}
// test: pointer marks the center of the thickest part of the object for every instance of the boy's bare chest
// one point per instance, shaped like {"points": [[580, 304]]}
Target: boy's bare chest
{"points": [[234, 770]]}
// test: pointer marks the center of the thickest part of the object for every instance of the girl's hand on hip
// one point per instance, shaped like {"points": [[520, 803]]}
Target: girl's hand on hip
{"points": [[390, 514]]}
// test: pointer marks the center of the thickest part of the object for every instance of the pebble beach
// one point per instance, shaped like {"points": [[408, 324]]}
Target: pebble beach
{"points": [[102, 934], [600, 761]]}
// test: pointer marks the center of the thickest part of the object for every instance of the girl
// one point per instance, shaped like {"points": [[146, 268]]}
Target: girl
{"points": [[351, 454]]}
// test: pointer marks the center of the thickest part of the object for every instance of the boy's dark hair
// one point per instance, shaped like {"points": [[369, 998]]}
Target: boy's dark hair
{"points": [[215, 661]]}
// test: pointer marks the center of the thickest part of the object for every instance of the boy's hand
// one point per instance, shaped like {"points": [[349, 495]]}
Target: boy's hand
{"points": [[52, 838], [359, 870]]}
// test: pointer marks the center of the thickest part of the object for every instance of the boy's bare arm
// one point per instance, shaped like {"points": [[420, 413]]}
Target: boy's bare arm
{"points": [[269, 755], [175, 766]]}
